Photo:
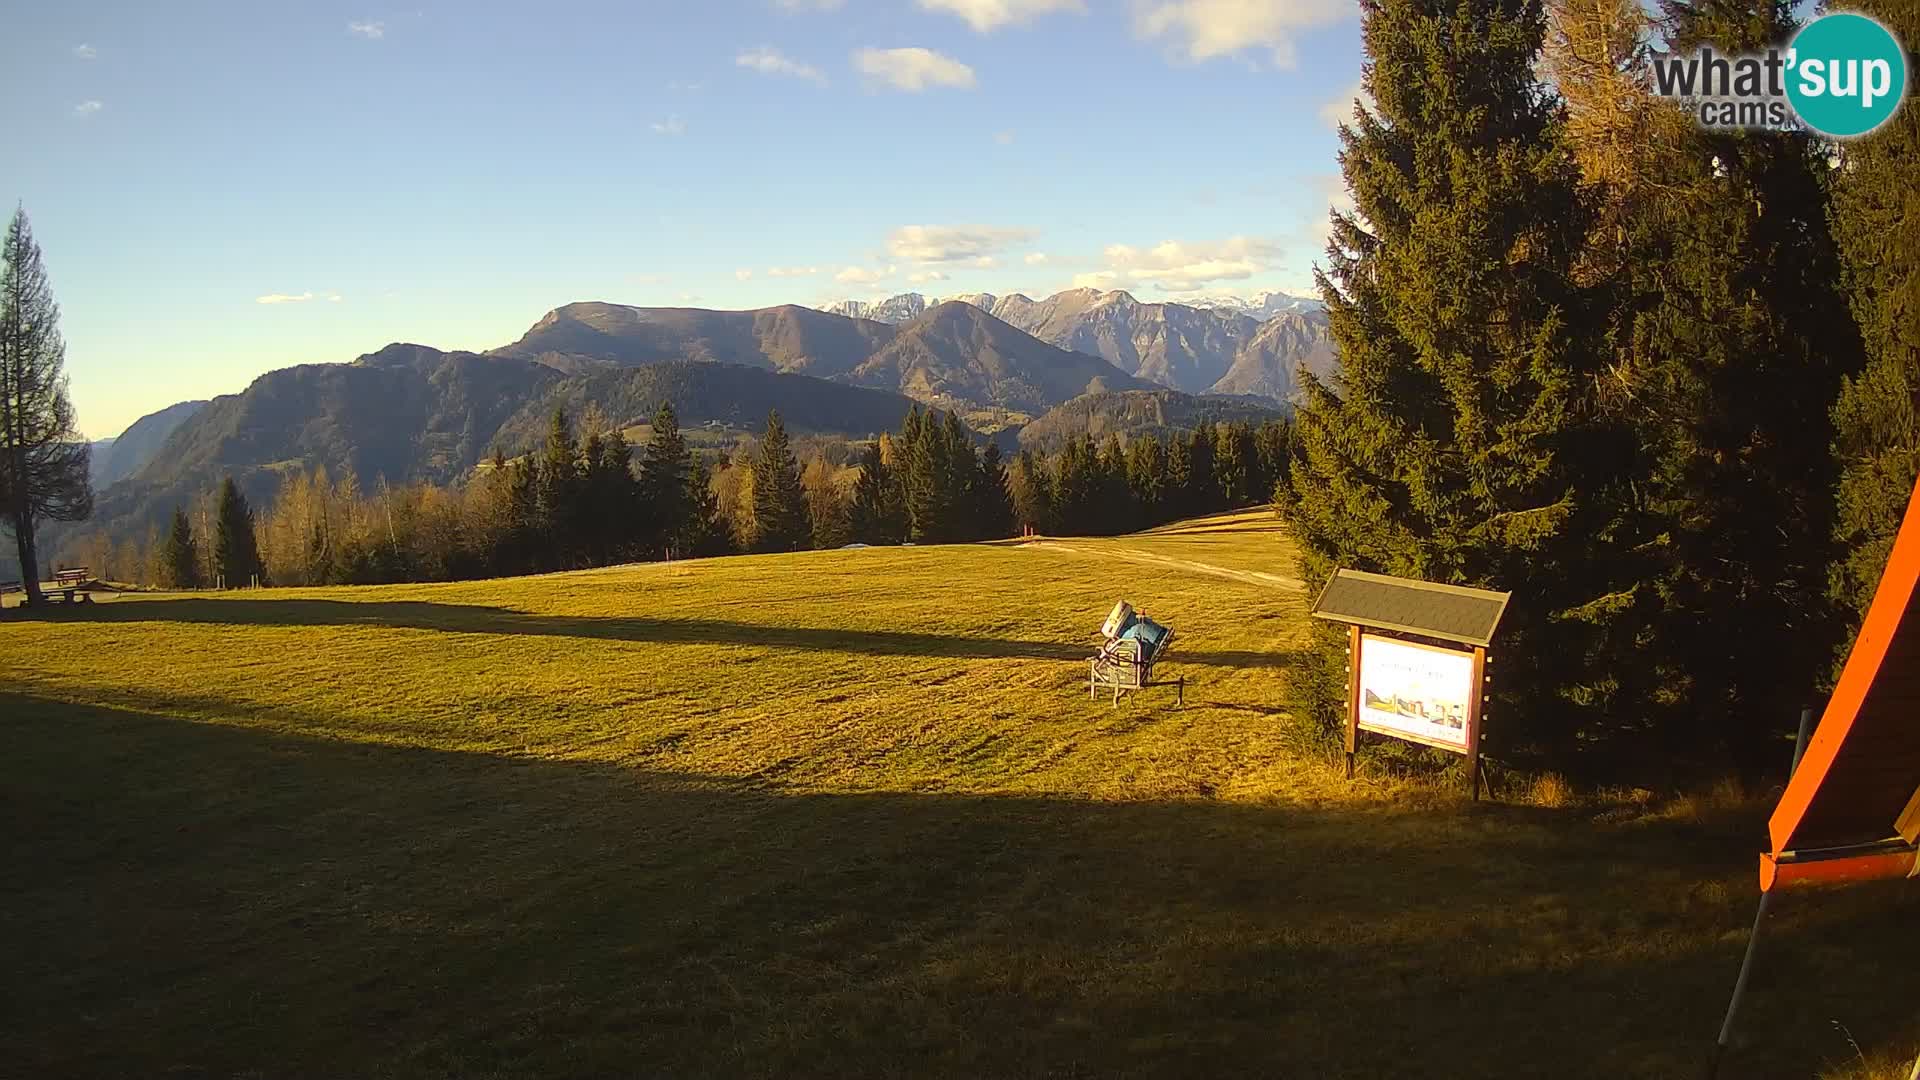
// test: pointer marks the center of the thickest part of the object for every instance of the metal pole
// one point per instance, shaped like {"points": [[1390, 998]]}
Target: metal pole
{"points": [[1800, 740], [1759, 920]]}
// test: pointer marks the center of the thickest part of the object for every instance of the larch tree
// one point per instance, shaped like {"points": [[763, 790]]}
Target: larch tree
{"points": [[43, 455]]}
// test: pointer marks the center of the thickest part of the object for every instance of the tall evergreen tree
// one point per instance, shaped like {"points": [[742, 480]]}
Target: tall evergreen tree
{"points": [[779, 504], [1729, 322], [236, 555], [1176, 495], [666, 469], [992, 504], [878, 514], [1447, 448], [931, 509], [43, 456], [1147, 478], [559, 490], [614, 520], [703, 531], [1032, 490], [1076, 485], [179, 564], [1876, 206], [959, 479], [1201, 494]]}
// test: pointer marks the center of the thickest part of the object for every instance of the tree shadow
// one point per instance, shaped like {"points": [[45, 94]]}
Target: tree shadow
{"points": [[487, 619], [204, 898]]}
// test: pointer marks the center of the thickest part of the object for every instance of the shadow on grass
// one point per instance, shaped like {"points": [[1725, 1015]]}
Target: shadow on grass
{"points": [[484, 619], [203, 899]]}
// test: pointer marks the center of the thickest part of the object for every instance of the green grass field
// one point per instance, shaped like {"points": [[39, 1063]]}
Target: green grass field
{"points": [[839, 814]]}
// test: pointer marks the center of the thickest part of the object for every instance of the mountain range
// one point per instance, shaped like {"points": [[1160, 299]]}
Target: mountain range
{"points": [[411, 412], [1220, 345]]}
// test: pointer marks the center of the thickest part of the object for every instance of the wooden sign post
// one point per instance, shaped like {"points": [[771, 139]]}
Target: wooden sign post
{"points": [[1416, 660]]}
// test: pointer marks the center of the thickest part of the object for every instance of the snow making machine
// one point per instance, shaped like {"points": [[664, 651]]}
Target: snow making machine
{"points": [[1133, 645]]}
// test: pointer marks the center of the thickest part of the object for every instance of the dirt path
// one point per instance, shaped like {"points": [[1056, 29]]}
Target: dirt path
{"points": [[1167, 562]]}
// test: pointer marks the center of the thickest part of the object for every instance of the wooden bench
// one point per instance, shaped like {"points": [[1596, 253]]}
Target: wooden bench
{"points": [[72, 584]]}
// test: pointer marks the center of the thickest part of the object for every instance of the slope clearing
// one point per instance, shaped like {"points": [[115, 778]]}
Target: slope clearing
{"points": [[840, 814]]}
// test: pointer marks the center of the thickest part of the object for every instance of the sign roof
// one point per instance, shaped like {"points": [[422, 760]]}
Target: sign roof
{"points": [[1409, 605]]}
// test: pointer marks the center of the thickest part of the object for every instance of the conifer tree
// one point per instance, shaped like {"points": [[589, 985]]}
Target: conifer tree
{"points": [[179, 564], [1201, 488], [1727, 301], [236, 558], [1176, 494], [612, 520], [558, 495], [959, 479], [666, 469], [1876, 205], [703, 532], [1031, 488], [992, 504], [43, 456], [1075, 487], [779, 504], [878, 514], [1447, 447], [1147, 478], [1113, 500]]}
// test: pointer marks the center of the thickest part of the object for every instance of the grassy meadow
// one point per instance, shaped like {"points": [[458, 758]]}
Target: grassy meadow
{"points": [[841, 813]]}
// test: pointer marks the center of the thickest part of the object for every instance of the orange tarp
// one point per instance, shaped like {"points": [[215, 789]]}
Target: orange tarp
{"points": [[1861, 769]]}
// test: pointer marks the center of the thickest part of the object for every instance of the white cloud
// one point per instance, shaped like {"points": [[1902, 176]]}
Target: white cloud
{"points": [[792, 271], [772, 62], [672, 125], [372, 31], [1178, 267], [913, 70], [952, 243], [1204, 29], [680, 87], [742, 275], [985, 262], [925, 276], [988, 15], [861, 275], [84, 51], [808, 5], [334, 298], [1036, 258], [1004, 138], [87, 108], [283, 298], [1340, 110]]}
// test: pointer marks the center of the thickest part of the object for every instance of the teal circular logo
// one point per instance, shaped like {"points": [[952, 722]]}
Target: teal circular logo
{"points": [[1846, 74]]}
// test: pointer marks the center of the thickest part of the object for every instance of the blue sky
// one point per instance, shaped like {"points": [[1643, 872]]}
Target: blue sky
{"points": [[224, 189]]}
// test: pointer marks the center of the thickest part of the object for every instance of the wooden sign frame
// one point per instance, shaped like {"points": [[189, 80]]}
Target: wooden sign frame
{"points": [[1356, 644]]}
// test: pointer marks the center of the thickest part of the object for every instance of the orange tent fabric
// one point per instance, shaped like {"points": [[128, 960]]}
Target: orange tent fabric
{"points": [[1859, 780]]}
